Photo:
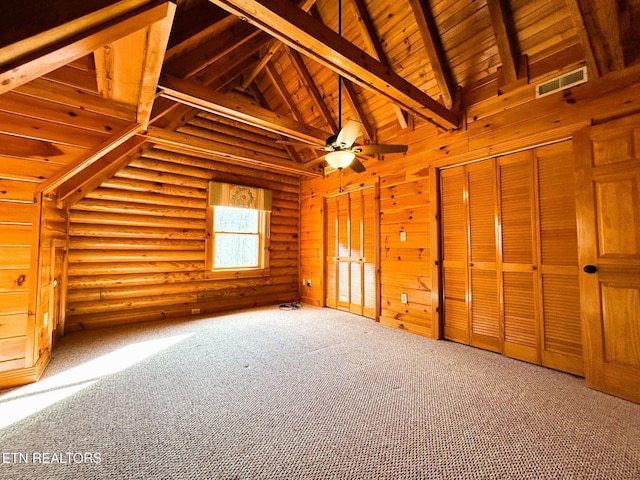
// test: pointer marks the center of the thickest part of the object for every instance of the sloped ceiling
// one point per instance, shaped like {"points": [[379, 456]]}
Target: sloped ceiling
{"points": [[239, 76]]}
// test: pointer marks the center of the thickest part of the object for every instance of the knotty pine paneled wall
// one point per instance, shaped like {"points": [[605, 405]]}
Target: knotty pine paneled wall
{"points": [[404, 266], [137, 243], [500, 124], [17, 213]]}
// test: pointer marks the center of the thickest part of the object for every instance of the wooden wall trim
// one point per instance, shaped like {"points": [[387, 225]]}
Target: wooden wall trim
{"points": [[23, 376]]}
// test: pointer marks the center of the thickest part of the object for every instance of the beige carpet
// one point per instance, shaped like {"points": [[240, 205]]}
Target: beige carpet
{"points": [[305, 394]]}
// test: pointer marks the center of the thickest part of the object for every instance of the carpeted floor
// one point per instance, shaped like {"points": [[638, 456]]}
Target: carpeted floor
{"points": [[305, 394]]}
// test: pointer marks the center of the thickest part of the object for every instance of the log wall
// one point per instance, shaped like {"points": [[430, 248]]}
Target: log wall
{"points": [[137, 244]]}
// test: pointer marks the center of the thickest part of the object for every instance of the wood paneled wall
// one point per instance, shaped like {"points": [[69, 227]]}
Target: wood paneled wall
{"points": [[137, 244], [17, 212], [408, 202], [404, 266]]}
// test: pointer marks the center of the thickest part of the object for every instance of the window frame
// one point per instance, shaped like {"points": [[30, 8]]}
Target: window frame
{"points": [[264, 242]]}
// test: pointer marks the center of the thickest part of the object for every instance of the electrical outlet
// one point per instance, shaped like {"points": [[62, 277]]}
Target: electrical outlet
{"points": [[309, 283], [403, 298], [195, 311], [403, 236]]}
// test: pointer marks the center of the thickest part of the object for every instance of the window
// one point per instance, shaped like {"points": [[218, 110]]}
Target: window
{"points": [[237, 238], [238, 225]]}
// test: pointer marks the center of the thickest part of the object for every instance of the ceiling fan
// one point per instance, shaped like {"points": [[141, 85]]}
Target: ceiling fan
{"points": [[341, 149]]}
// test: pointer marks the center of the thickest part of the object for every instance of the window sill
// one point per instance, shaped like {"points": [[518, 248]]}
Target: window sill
{"points": [[229, 274]]}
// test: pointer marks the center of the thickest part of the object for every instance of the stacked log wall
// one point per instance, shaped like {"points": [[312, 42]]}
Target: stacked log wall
{"points": [[138, 244]]}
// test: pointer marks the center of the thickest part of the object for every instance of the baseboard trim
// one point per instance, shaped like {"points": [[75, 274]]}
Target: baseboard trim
{"points": [[23, 376]]}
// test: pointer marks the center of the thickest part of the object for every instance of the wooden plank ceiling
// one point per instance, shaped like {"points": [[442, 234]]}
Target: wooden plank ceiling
{"points": [[237, 76]]}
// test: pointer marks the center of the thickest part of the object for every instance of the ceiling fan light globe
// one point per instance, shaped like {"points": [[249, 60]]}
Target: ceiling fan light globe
{"points": [[340, 159]]}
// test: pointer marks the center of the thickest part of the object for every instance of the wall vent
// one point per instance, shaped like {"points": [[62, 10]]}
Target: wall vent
{"points": [[571, 79]]}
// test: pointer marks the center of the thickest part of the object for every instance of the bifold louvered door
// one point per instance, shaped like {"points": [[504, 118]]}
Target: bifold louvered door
{"points": [[351, 252], [509, 257]]}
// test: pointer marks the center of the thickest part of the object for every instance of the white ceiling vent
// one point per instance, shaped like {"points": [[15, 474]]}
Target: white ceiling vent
{"points": [[571, 79]]}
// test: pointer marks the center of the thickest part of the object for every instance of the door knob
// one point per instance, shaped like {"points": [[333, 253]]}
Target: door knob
{"points": [[590, 269]]}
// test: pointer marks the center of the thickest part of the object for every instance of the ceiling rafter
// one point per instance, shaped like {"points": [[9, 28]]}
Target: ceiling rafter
{"points": [[351, 97], [506, 40], [356, 107], [273, 46], [216, 76], [279, 85], [92, 177], [583, 37], [307, 79], [197, 59], [302, 32], [90, 158], [293, 154], [371, 37], [432, 44], [602, 22], [191, 93], [236, 59]]}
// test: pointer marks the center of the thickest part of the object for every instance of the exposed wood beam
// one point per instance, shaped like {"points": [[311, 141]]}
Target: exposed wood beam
{"points": [[33, 57], [127, 70], [191, 27], [356, 107], [433, 46], [94, 155], [305, 75], [92, 177], [302, 32], [583, 37], [371, 38], [602, 22], [190, 144], [190, 93], [502, 22], [279, 85], [257, 94], [214, 74], [273, 47], [215, 48]]}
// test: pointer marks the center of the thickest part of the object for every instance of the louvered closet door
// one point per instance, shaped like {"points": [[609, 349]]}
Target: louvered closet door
{"points": [[509, 251], [561, 336], [351, 252], [518, 264], [453, 216], [482, 213]]}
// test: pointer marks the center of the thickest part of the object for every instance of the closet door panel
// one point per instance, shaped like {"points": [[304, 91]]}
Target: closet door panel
{"points": [[520, 329], [454, 254], [484, 300], [561, 333], [331, 268]]}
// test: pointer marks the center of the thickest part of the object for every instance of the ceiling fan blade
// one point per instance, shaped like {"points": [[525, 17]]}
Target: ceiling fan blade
{"points": [[348, 134], [357, 166], [380, 148]]}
